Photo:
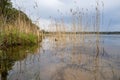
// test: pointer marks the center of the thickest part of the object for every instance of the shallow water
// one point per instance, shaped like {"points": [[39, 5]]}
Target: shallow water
{"points": [[68, 57]]}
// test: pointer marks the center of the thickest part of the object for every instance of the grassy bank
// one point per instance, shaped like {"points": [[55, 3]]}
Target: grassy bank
{"points": [[16, 28], [13, 38], [25, 34]]}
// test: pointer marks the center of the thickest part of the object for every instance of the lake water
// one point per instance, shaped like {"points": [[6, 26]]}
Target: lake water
{"points": [[68, 57]]}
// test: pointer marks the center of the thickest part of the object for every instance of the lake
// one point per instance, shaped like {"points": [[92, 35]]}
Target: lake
{"points": [[64, 57]]}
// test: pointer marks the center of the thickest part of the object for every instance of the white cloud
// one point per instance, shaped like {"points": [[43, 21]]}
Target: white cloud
{"points": [[46, 8], [44, 23], [49, 3]]}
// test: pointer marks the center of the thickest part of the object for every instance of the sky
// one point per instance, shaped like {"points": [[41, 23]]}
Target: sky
{"points": [[41, 12]]}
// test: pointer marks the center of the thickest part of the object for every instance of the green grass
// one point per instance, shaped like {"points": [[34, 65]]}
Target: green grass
{"points": [[11, 38]]}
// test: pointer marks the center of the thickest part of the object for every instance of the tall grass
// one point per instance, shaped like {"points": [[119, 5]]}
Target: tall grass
{"points": [[19, 32], [81, 21]]}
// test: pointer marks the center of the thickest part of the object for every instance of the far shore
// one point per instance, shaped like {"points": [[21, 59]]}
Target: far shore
{"points": [[108, 33]]}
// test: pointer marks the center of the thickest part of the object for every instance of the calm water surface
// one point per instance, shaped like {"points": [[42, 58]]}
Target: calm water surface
{"points": [[64, 58]]}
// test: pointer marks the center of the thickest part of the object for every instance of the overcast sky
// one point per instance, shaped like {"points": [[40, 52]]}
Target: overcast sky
{"points": [[41, 10]]}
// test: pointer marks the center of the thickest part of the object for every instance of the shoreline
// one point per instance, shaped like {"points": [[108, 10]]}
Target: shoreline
{"points": [[109, 33]]}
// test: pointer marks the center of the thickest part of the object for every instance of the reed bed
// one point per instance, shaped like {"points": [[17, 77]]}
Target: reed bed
{"points": [[19, 32], [80, 23]]}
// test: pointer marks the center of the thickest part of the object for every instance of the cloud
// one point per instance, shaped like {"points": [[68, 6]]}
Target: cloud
{"points": [[53, 4], [43, 9]]}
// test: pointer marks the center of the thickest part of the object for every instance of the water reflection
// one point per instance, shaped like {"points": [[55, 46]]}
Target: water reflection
{"points": [[63, 58], [73, 60], [9, 56]]}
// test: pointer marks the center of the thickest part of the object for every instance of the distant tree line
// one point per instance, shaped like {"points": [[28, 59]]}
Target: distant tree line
{"points": [[46, 32]]}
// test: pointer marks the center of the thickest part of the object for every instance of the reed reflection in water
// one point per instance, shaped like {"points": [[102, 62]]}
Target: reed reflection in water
{"points": [[64, 58]]}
